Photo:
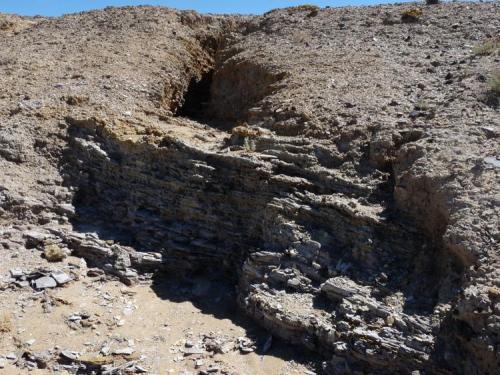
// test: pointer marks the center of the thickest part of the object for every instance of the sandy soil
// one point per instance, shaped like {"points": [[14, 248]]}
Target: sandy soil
{"points": [[158, 320]]}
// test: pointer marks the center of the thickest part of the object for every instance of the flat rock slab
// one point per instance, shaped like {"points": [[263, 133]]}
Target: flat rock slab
{"points": [[71, 355], [45, 282], [124, 351], [61, 277]]}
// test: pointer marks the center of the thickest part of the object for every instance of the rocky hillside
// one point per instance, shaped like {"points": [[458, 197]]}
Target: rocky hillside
{"points": [[339, 166]]}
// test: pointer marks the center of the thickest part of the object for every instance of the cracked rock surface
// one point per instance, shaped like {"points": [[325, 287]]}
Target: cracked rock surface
{"points": [[338, 166]]}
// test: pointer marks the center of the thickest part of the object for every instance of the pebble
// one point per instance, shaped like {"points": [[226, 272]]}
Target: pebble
{"points": [[124, 351], [11, 357], [245, 345], [2, 363], [105, 350], [74, 318]]}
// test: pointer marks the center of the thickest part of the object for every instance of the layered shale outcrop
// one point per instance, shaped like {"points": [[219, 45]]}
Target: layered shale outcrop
{"points": [[338, 166]]}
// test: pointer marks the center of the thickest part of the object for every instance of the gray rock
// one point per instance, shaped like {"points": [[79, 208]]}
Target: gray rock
{"points": [[246, 345], [124, 351], [493, 161], [43, 358], [45, 282], [16, 273], [340, 287], [67, 209], [71, 355], [34, 238], [105, 350], [61, 277], [74, 318]]}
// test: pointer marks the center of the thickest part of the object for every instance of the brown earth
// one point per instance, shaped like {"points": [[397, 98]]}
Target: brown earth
{"points": [[332, 172]]}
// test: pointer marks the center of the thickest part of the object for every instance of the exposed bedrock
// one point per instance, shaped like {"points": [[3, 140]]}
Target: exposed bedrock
{"points": [[319, 261]]}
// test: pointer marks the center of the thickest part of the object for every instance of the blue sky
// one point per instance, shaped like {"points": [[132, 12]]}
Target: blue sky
{"points": [[58, 7]]}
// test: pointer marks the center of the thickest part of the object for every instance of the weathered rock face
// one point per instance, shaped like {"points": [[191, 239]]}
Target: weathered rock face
{"points": [[283, 233], [334, 165]]}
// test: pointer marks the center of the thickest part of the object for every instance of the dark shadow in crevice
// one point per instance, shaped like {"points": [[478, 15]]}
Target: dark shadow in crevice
{"points": [[197, 97]]}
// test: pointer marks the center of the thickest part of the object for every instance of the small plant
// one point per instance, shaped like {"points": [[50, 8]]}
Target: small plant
{"points": [[412, 15], [432, 2], [489, 47], [5, 323], [421, 105], [53, 253], [494, 82]]}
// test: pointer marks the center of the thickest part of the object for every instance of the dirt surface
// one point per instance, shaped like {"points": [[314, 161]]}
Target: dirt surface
{"points": [[310, 190], [159, 321]]}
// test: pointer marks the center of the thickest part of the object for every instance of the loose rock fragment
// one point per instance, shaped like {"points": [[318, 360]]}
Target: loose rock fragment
{"points": [[16, 273], [123, 351], [61, 277], [45, 282], [71, 355]]}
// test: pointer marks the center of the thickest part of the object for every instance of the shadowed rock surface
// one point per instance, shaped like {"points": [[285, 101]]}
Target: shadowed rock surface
{"points": [[340, 166]]}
